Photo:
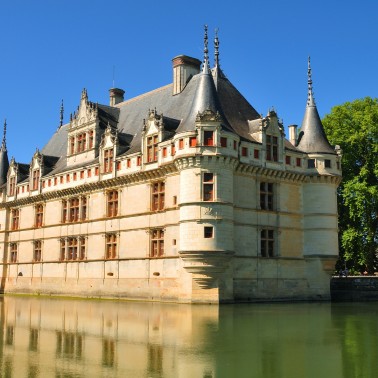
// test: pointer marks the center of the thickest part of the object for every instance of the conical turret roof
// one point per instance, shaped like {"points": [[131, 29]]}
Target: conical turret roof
{"points": [[312, 137]]}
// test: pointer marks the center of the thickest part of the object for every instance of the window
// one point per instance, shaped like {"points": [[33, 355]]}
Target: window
{"points": [[181, 144], [118, 165], [74, 209], [327, 163], [244, 151], [62, 250], [61, 179], [81, 174], [208, 232], [311, 163], [72, 248], [157, 243], [192, 141], [49, 182], [208, 186], [152, 148], [68, 178], [112, 203], [256, 154], [35, 178], [223, 141], [235, 145], [173, 150], [288, 159], [39, 215], [158, 196], [108, 160], [74, 176], [266, 196], [271, 148], [72, 145], [12, 186], [128, 163], [298, 162], [139, 161], [267, 243], [90, 134], [111, 246], [37, 253], [13, 252], [81, 142], [82, 254], [208, 138], [15, 219], [55, 180], [89, 173], [96, 171]]}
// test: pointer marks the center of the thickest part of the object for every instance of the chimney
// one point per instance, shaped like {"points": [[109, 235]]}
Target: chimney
{"points": [[293, 134], [116, 96], [184, 67]]}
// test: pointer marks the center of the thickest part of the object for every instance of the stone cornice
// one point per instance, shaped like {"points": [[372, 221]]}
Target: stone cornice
{"points": [[197, 161], [115, 182]]}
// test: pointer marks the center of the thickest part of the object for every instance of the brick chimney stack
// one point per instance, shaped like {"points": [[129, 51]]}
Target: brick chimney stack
{"points": [[116, 96], [184, 67]]}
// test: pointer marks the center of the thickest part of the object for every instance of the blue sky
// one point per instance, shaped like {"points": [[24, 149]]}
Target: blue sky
{"points": [[50, 50]]}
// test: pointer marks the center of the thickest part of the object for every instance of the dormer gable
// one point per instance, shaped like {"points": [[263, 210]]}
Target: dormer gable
{"points": [[83, 131], [12, 178], [208, 126], [108, 149], [36, 167]]}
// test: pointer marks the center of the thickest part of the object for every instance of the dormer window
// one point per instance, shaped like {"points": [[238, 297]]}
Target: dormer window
{"points": [[271, 148], [35, 179], [108, 160], [90, 135], [72, 145], [81, 142], [208, 138], [12, 186], [152, 148]]}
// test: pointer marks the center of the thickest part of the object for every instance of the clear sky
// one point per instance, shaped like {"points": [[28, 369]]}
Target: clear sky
{"points": [[50, 50]]}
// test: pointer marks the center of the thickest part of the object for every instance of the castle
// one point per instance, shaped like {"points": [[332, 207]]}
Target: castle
{"points": [[184, 194]]}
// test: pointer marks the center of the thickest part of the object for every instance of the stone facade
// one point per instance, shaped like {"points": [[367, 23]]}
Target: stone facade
{"points": [[206, 203]]}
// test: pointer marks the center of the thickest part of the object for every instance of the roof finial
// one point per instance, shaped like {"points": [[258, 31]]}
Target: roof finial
{"points": [[205, 52], [61, 114], [4, 134], [216, 48], [310, 96]]}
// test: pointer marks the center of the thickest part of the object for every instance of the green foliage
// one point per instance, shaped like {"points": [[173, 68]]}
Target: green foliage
{"points": [[354, 126]]}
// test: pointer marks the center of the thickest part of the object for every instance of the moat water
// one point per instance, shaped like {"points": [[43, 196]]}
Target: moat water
{"points": [[90, 338]]}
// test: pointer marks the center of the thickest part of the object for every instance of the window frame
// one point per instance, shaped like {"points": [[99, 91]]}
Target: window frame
{"points": [[15, 219], [157, 242], [13, 252], [111, 243], [112, 203], [267, 243], [37, 251], [38, 215], [266, 192], [208, 186], [158, 196], [108, 154], [271, 148]]}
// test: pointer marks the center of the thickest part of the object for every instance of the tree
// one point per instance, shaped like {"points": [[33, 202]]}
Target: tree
{"points": [[354, 126]]}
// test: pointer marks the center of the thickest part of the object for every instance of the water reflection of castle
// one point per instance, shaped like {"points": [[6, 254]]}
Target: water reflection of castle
{"points": [[65, 338], [75, 338]]}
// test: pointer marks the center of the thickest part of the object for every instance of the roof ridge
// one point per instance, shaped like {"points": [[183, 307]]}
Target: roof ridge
{"points": [[136, 98]]}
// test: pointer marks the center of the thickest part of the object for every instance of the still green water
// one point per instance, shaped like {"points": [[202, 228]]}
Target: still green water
{"points": [[87, 338]]}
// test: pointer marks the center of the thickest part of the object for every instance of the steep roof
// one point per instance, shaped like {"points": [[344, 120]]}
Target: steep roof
{"points": [[312, 137]]}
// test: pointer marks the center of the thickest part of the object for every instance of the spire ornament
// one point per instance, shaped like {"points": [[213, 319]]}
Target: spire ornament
{"points": [[216, 48], [206, 66], [310, 95], [61, 114], [3, 145]]}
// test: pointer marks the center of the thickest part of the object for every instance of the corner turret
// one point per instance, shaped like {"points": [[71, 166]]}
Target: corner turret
{"points": [[312, 138]]}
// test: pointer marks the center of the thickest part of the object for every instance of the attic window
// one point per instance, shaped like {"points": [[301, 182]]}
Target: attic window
{"points": [[271, 148], [327, 163], [223, 141], [208, 138], [108, 160], [311, 163], [244, 151], [152, 148], [35, 178]]}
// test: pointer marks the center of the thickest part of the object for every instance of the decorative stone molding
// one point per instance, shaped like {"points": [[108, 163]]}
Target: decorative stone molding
{"points": [[207, 264]]}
